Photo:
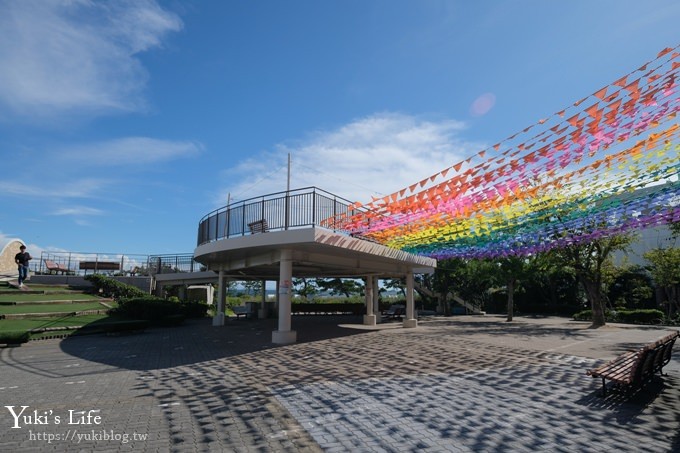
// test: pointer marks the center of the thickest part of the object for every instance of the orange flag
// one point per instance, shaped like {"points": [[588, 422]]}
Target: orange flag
{"points": [[601, 93], [664, 52]]}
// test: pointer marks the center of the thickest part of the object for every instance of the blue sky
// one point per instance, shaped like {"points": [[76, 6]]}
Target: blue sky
{"points": [[122, 123]]}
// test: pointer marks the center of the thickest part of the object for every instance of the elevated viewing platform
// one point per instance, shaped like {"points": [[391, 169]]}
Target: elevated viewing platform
{"points": [[295, 234], [245, 240]]}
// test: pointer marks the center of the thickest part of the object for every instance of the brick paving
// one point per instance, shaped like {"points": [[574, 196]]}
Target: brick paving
{"points": [[458, 384]]}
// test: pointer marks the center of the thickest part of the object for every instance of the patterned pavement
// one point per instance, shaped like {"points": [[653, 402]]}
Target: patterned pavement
{"points": [[457, 384]]}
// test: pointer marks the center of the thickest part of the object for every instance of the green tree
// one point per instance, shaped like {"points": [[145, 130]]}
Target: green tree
{"points": [[340, 286], [398, 284], [305, 287], [553, 283], [665, 270], [253, 287], [472, 280], [511, 271], [589, 262], [631, 288]]}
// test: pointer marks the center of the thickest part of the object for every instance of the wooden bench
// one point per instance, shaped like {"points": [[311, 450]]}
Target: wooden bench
{"points": [[633, 369], [99, 265], [51, 266], [259, 226]]}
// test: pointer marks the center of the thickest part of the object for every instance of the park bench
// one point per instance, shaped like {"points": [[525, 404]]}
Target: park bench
{"points": [[99, 265], [259, 226], [633, 369], [395, 312], [51, 266], [242, 310]]}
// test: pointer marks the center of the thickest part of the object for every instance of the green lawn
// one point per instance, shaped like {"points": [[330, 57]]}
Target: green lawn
{"points": [[34, 323], [51, 308], [23, 297]]}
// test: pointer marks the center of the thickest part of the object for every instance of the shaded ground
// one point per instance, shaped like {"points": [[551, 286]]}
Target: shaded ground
{"points": [[452, 384]]}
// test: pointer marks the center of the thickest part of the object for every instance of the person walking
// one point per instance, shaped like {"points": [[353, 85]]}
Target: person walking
{"points": [[22, 258]]}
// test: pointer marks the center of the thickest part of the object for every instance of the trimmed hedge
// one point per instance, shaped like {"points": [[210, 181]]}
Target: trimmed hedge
{"points": [[646, 316], [110, 287], [14, 337], [156, 310]]}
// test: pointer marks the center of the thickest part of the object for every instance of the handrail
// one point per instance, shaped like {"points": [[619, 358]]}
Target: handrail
{"points": [[77, 263], [298, 208]]}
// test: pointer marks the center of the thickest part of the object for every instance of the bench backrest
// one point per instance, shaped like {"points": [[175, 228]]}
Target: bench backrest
{"points": [[52, 266], [669, 349], [99, 265], [259, 226], [653, 357]]}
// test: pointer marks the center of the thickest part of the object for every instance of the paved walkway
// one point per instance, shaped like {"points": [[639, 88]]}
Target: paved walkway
{"points": [[458, 384]]}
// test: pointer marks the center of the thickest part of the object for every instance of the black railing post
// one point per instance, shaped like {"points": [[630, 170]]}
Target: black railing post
{"points": [[286, 209], [226, 228], [243, 219], [335, 207], [314, 207]]}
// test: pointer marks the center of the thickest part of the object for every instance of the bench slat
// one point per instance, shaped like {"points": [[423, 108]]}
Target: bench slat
{"points": [[634, 368]]}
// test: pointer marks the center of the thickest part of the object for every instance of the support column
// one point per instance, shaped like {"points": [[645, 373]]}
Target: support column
{"points": [[410, 319], [369, 317], [262, 312], [218, 319], [284, 335], [376, 300]]}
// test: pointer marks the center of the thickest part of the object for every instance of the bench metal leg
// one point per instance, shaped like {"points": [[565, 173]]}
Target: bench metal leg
{"points": [[604, 388]]}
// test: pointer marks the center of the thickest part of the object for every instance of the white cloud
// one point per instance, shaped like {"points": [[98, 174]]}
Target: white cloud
{"points": [[376, 155], [78, 211], [131, 150], [44, 188], [77, 55]]}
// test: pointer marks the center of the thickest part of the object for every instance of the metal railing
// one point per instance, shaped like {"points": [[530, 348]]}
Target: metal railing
{"points": [[83, 263], [297, 208], [170, 264]]}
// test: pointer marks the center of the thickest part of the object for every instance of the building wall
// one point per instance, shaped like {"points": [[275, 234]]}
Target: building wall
{"points": [[649, 239]]}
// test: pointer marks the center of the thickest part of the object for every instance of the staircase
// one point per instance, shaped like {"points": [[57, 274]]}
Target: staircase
{"points": [[470, 307]]}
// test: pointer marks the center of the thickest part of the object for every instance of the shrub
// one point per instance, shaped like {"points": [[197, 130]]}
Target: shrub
{"points": [[150, 308], [155, 309], [625, 316], [640, 316], [14, 337], [110, 287], [194, 309]]}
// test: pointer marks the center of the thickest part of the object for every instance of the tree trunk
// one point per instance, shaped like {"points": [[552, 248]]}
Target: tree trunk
{"points": [[511, 296], [595, 296]]}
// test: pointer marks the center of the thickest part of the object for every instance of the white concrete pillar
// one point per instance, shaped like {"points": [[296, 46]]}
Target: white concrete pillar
{"points": [[410, 319], [376, 300], [369, 317], [218, 319], [284, 335]]}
